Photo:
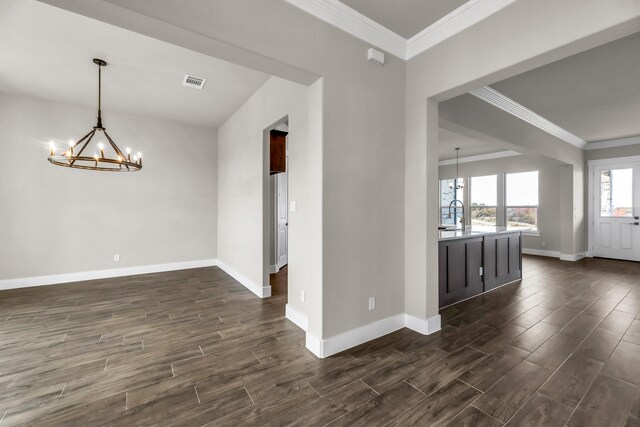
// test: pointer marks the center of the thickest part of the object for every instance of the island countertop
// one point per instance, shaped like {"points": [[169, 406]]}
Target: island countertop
{"points": [[473, 231]]}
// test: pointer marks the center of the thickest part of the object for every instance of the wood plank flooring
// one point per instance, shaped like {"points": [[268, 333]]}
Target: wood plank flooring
{"points": [[193, 347]]}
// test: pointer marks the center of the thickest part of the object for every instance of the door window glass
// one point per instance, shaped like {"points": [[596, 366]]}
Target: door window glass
{"points": [[616, 193]]}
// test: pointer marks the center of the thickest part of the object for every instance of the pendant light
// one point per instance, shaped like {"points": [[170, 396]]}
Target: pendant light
{"points": [[113, 160], [457, 184]]}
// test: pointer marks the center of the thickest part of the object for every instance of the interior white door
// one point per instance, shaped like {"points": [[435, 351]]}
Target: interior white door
{"points": [[283, 219], [616, 211]]}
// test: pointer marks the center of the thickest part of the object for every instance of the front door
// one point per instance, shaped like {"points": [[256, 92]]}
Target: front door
{"points": [[616, 211]]}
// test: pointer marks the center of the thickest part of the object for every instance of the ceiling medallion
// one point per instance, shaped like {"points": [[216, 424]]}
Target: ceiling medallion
{"points": [[78, 158]]}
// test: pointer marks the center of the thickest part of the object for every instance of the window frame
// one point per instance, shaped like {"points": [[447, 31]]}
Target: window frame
{"points": [[526, 231], [457, 208], [501, 200], [497, 205]]}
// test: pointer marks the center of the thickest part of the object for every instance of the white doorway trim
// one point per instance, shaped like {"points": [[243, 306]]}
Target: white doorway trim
{"points": [[268, 214], [592, 164]]}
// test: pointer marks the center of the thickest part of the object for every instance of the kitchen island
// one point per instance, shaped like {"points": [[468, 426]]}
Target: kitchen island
{"points": [[477, 260]]}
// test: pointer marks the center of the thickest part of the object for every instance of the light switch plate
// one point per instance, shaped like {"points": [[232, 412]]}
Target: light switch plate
{"points": [[372, 303], [116, 258], [293, 206], [302, 295]]}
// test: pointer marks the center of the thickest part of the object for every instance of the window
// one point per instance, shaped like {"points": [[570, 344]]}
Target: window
{"points": [[616, 193], [522, 200], [484, 200], [449, 193]]}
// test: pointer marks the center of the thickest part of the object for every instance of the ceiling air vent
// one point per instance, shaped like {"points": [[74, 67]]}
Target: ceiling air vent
{"points": [[192, 81]]}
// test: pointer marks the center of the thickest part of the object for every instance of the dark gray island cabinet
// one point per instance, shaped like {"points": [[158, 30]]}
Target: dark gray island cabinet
{"points": [[477, 260]]}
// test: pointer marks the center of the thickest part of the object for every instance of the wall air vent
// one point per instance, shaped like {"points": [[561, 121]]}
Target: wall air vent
{"points": [[194, 82]]}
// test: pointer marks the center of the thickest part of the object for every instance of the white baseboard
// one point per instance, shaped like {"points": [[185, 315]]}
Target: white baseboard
{"points": [[25, 282], [423, 326], [336, 344], [555, 254], [296, 317], [314, 345], [261, 291], [541, 252], [572, 257]]}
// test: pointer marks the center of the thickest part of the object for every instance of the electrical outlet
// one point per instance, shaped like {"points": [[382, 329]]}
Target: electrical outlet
{"points": [[116, 258], [302, 295], [372, 303], [236, 259], [543, 243]]}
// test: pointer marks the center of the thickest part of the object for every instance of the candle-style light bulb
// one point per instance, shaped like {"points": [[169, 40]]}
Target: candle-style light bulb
{"points": [[95, 156], [101, 146], [140, 158], [128, 154], [135, 159], [71, 143], [52, 148], [71, 147]]}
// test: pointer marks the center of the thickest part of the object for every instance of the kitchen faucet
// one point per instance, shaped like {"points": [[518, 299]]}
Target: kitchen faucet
{"points": [[462, 223]]}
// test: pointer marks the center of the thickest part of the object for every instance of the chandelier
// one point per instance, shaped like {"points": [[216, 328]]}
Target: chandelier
{"points": [[76, 155], [457, 184]]}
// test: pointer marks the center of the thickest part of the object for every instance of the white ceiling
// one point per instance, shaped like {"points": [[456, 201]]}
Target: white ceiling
{"points": [[46, 53], [594, 95], [448, 141], [405, 17]]}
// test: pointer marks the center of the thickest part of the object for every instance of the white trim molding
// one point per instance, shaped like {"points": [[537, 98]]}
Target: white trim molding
{"points": [[541, 252], [423, 326], [510, 106], [55, 279], [296, 317], [572, 257], [259, 290], [337, 343], [555, 254], [611, 143], [453, 23], [481, 157], [360, 26]]}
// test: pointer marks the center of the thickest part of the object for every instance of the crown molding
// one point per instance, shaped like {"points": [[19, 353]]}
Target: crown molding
{"points": [[341, 16], [480, 157], [611, 143], [453, 23], [345, 18], [507, 104]]}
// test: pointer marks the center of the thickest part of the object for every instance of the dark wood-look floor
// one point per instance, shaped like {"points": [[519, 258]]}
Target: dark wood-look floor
{"points": [[193, 347], [279, 282]]}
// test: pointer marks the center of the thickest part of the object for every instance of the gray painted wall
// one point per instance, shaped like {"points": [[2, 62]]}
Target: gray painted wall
{"points": [[607, 153], [244, 216], [549, 196], [57, 220], [378, 135], [360, 139]]}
